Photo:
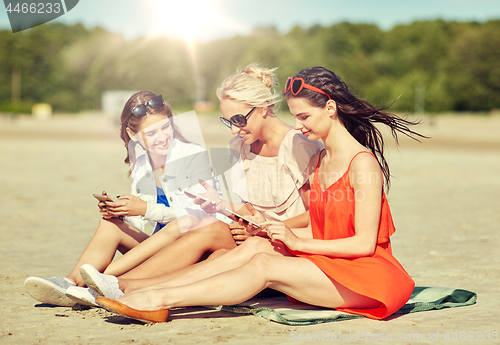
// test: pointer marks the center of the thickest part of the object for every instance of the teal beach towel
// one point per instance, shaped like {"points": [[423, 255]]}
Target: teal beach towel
{"points": [[281, 310]]}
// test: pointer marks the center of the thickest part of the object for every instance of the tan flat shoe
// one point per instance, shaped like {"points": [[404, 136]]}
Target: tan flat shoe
{"points": [[159, 315]]}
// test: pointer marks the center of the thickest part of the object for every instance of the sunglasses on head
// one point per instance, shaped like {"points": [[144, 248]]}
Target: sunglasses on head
{"points": [[295, 85], [141, 110], [237, 120]]}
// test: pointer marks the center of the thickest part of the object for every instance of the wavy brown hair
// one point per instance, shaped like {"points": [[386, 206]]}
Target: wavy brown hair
{"points": [[129, 120], [357, 115]]}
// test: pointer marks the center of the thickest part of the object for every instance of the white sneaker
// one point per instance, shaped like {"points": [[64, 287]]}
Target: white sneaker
{"points": [[102, 284], [82, 295], [50, 290]]}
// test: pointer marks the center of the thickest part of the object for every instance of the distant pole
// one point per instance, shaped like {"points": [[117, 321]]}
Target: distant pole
{"points": [[16, 85], [419, 98]]}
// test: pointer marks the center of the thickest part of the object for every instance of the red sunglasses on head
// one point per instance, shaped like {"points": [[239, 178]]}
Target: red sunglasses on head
{"points": [[295, 85]]}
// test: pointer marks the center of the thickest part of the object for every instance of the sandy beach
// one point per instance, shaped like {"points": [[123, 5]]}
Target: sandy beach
{"points": [[444, 201]]}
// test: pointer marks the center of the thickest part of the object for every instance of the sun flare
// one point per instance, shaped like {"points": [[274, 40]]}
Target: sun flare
{"points": [[188, 20]]}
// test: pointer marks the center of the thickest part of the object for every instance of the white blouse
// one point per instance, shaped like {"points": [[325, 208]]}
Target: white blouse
{"points": [[271, 184], [185, 163]]}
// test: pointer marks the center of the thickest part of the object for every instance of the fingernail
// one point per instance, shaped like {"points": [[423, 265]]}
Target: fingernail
{"points": [[118, 196], [104, 202]]}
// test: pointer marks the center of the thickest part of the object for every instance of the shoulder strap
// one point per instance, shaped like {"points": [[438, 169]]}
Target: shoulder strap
{"points": [[319, 158], [349, 167]]}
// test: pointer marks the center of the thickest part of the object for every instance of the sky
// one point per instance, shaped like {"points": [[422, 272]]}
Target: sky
{"points": [[207, 20]]}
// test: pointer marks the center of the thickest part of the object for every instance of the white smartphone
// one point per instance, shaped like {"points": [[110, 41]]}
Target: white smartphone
{"points": [[194, 195], [102, 198], [242, 217]]}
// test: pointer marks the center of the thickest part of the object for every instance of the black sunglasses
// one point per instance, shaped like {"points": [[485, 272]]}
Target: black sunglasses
{"points": [[141, 110], [237, 120]]}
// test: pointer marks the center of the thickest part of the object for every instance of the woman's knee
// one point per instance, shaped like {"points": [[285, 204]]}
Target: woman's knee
{"points": [[115, 229], [205, 234], [248, 249], [110, 226], [260, 261], [211, 228], [179, 226], [210, 237], [270, 268], [168, 232], [187, 222], [207, 221], [255, 244]]}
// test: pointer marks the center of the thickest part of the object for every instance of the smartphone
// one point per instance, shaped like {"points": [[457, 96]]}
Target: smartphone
{"points": [[242, 217], [194, 195], [102, 198]]}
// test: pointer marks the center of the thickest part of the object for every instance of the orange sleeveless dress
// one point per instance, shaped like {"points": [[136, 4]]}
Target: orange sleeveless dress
{"points": [[380, 276]]}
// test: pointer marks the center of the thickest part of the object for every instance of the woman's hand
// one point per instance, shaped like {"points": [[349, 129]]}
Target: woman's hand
{"points": [[128, 205], [241, 229], [256, 217], [103, 208], [211, 194], [279, 232], [239, 232]]}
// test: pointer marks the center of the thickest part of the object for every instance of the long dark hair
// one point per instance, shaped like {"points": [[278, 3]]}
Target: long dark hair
{"points": [[357, 115], [129, 120]]}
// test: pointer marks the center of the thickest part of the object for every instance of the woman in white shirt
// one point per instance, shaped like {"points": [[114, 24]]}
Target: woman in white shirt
{"points": [[162, 164]]}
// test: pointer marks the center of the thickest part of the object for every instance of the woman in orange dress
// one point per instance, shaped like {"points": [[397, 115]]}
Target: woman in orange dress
{"points": [[343, 259], [378, 276]]}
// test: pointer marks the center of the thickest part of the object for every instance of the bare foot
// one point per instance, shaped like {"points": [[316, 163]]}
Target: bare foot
{"points": [[142, 300]]}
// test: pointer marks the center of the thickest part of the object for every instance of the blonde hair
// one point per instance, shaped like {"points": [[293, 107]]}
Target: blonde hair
{"points": [[253, 86]]}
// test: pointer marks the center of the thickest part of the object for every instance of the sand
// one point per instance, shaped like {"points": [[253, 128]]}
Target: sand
{"points": [[444, 201]]}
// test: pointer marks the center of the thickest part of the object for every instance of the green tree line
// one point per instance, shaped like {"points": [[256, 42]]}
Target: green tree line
{"points": [[449, 66]]}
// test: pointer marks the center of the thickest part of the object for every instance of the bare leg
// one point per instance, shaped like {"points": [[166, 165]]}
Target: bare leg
{"points": [[137, 255], [111, 235], [186, 251], [129, 285], [295, 276], [228, 261]]}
